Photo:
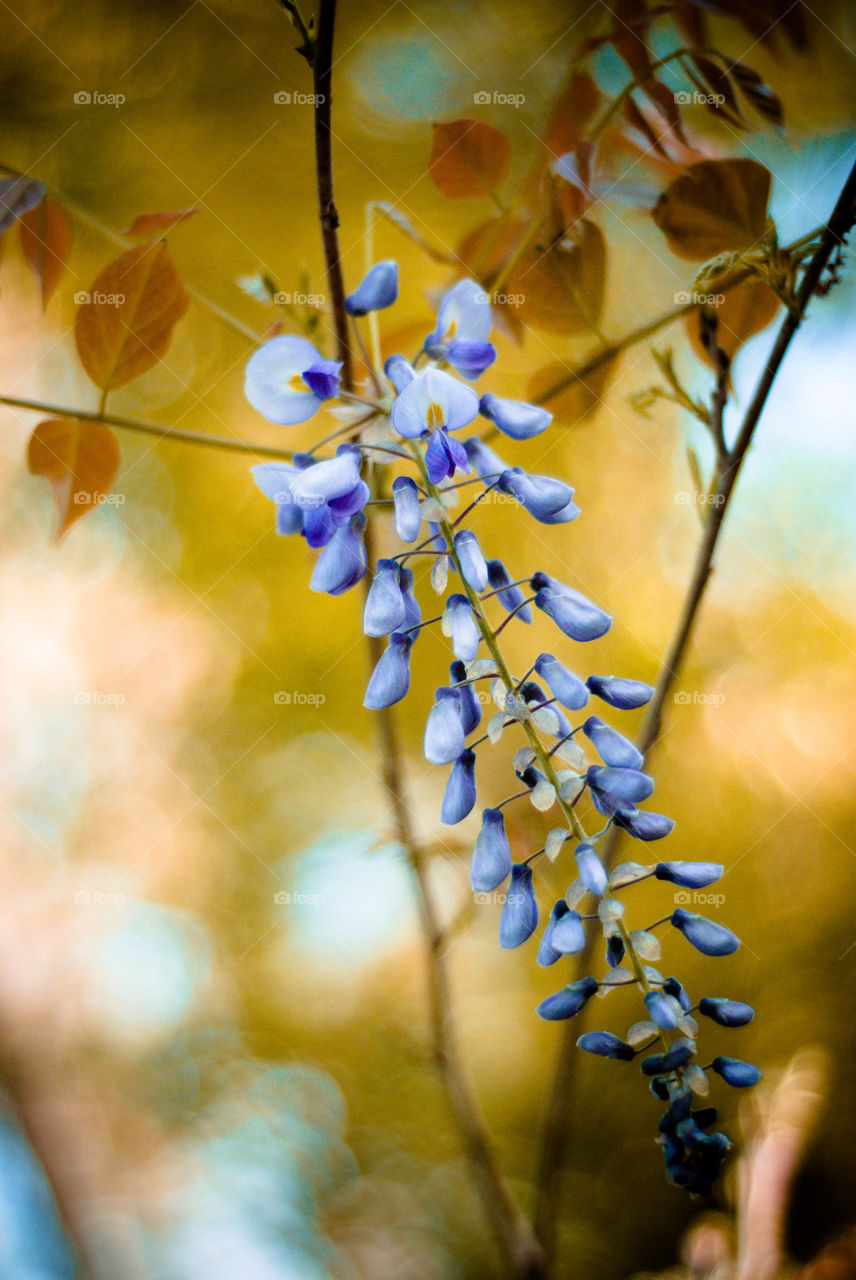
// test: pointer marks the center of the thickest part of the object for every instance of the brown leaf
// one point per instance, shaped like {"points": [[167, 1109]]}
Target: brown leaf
{"points": [[745, 310], [562, 288], [80, 459], [148, 226], [713, 207], [46, 237], [572, 111], [579, 399], [468, 158], [126, 325]]}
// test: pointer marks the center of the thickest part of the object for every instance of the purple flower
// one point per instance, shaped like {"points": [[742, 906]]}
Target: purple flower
{"points": [[385, 606], [287, 380], [548, 500], [470, 706], [399, 371], [691, 875], [378, 289], [564, 685], [444, 456], [488, 465], [492, 854], [519, 917], [390, 679], [740, 1075], [590, 867], [662, 1010], [342, 563], [510, 596], [462, 329], [459, 798], [473, 565], [459, 623], [728, 1013], [514, 418], [605, 1045], [618, 692], [612, 747], [433, 399], [408, 517], [444, 731], [642, 825], [568, 1001], [705, 935], [613, 789], [572, 612]]}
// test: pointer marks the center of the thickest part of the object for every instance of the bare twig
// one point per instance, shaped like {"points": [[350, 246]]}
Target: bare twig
{"points": [[557, 1134]]}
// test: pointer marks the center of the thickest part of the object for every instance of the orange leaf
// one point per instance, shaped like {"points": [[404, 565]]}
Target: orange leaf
{"points": [[468, 158], [125, 325], [80, 459], [148, 226], [562, 288], [46, 237], [745, 310], [713, 207], [571, 113]]}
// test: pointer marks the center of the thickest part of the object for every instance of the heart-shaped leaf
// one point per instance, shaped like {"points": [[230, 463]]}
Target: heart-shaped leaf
{"points": [[468, 158], [80, 459], [124, 326], [713, 207], [740, 312], [562, 288], [46, 237]]}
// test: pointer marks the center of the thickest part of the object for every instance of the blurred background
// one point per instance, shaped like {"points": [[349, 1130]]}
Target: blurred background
{"points": [[213, 1029]]}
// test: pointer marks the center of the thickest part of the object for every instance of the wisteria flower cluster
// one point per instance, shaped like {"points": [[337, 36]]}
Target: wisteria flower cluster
{"points": [[559, 764]]}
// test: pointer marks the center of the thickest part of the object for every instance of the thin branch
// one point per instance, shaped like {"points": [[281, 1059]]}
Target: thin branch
{"points": [[157, 429], [512, 1231], [559, 1116]]}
